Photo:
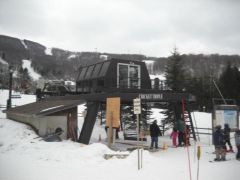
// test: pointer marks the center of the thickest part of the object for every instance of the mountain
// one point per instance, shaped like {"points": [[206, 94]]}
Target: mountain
{"points": [[51, 63], [55, 63]]}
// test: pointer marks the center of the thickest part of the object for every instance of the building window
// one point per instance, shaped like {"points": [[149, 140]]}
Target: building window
{"points": [[128, 76]]}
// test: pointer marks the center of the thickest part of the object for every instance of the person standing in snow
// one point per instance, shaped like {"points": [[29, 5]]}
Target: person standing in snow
{"points": [[237, 140], [226, 132], [154, 133], [219, 143], [187, 136], [181, 132], [174, 136]]}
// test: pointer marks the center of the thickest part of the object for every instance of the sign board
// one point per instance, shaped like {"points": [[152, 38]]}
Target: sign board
{"points": [[113, 112], [151, 96], [226, 117], [226, 114], [137, 106]]}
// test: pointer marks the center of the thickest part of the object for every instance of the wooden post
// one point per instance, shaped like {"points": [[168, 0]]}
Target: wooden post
{"points": [[110, 131]]}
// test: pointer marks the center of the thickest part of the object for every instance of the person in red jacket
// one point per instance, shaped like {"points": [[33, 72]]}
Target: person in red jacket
{"points": [[174, 136]]}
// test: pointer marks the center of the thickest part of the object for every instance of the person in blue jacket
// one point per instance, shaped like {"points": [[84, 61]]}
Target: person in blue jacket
{"points": [[154, 133]]}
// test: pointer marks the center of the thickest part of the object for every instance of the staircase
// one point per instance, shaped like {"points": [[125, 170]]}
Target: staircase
{"points": [[189, 121]]}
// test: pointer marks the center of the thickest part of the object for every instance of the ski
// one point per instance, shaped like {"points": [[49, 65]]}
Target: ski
{"points": [[213, 161]]}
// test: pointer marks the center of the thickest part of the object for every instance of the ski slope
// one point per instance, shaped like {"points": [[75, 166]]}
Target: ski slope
{"points": [[27, 64]]}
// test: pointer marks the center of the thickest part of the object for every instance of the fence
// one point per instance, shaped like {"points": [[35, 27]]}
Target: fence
{"points": [[204, 131], [4, 106]]}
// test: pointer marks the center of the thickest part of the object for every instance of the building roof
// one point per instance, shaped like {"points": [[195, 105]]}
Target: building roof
{"points": [[93, 71], [99, 70], [42, 108]]}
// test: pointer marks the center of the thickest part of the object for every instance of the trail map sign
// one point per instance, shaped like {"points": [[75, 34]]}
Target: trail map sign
{"points": [[226, 114]]}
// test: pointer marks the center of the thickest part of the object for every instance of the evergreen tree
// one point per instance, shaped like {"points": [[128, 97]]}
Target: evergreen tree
{"points": [[229, 82], [175, 81], [175, 72]]}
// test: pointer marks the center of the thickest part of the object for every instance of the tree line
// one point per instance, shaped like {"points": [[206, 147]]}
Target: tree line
{"points": [[204, 87]]}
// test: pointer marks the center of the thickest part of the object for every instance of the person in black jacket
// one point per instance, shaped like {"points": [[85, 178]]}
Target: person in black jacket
{"points": [[226, 132], [219, 143], [154, 133]]}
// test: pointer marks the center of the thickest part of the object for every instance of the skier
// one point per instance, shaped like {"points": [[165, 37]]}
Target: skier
{"points": [[219, 143], [174, 136], [226, 132], [237, 140], [154, 133]]}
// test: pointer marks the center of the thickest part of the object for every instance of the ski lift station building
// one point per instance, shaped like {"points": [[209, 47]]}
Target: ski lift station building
{"points": [[95, 83], [113, 76]]}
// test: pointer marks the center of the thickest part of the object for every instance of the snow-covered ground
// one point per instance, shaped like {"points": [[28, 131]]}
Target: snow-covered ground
{"points": [[161, 77], [27, 64], [25, 157]]}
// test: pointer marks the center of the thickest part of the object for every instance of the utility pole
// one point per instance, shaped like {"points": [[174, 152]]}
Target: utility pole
{"points": [[9, 101]]}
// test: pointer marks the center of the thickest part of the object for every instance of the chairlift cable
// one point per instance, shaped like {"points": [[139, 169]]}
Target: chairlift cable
{"points": [[219, 91]]}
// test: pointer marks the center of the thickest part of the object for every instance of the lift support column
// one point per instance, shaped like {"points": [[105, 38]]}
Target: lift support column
{"points": [[89, 121]]}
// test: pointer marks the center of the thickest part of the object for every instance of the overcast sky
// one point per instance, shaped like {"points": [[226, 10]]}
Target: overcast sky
{"points": [[149, 27]]}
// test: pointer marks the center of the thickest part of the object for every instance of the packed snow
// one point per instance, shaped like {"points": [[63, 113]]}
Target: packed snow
{"points": [[72, 56], [48, 51], [27, 64], [24, 156]]}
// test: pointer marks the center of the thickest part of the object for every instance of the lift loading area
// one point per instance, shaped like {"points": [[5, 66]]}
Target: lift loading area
{"points": [[124, 79]]}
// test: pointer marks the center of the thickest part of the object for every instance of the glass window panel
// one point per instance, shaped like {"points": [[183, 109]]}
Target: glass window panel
{"points": [[96, 70], [123, 76], [89, 72], [134, 76], [104, 69], [79, 72], [83, 72]]}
